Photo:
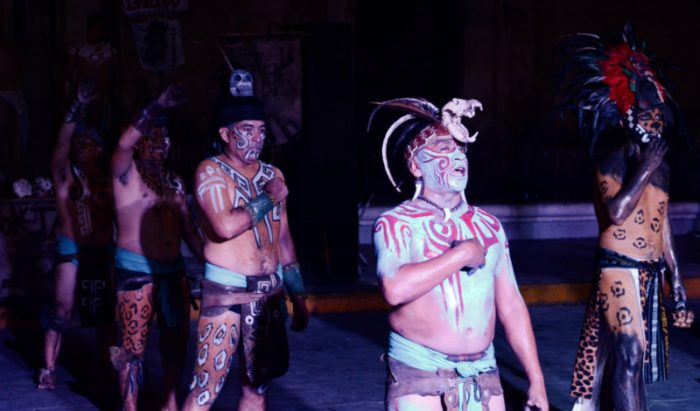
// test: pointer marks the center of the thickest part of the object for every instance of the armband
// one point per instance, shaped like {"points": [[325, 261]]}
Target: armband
{"points": [[259, 206], [76, 112], [291, 274], [144, 121]]}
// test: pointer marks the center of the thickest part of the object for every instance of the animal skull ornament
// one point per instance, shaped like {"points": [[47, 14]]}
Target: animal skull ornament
{"points": [[241, 83], [452, 114]]}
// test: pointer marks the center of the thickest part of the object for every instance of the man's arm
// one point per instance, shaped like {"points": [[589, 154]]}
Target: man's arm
{"points": [[60, 160], [403, 281], [189, 234], [292, 274], [226, 219], [123, 156], [621, 205], [682, 317], [513, 314]]}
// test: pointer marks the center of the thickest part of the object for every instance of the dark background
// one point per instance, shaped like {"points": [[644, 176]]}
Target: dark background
{"points": [[355, 51]]}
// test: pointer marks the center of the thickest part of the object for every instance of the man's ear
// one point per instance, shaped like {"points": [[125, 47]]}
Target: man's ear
{"points": [[413, 168], [223, 132]]}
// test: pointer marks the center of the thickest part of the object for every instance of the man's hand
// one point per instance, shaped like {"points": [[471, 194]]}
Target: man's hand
{"points": [[174, 95], [472, 252], [537, 398], [682, 318], [277, 189], [300, 313], [653, 155], [86, 92]]}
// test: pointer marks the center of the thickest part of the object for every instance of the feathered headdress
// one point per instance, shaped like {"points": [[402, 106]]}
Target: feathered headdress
{"points": [[410, 132], [605, 79]]}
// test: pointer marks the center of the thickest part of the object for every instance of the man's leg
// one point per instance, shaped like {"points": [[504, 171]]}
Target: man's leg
{"points": [[217, 339], [135, 308], [173, 344], [416, 403], [623, 318], [66, 277]]}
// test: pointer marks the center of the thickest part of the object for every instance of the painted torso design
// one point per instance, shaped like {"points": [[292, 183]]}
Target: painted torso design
{"points": [[246, 190], [88, 210], [641, 235], [411, 234]]}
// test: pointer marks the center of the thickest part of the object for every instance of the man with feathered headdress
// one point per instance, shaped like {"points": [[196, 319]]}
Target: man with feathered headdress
{"points": [[444, 267], [612, 84]]}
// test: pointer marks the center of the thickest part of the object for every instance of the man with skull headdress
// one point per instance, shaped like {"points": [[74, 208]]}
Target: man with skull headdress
{"points": [[250, 260], [152, 219], [615, 87], [84, 204], [444, 267]]}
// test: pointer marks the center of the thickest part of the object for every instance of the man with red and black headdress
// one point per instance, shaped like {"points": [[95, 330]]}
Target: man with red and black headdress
{"points": [[444, 267], [615, 86]]}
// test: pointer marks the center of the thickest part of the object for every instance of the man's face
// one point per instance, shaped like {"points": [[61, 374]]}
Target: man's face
{"points": [[154, 147], [246, 139], [650, 124], [84, 151], [443, 164]]}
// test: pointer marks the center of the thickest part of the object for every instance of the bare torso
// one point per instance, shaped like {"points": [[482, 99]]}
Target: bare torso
{"points": [[254, 252], [85, 207], [148, 213], [640, 236], [457, 316]]}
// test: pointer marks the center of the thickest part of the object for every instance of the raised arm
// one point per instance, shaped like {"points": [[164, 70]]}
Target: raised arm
{"points": [[60, 160], [621, 205], [513, 314], [122, 159], [403, 281], [682, 317]]}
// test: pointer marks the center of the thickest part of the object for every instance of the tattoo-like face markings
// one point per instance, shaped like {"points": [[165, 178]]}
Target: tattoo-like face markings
{"points": [[154, 147], [620, 234], [394, 234], [639, 217], [443, 164], [244, 193], [624, 316], [640, 243], [212, 182], [617, 289], [645, 124], [249, 137]]}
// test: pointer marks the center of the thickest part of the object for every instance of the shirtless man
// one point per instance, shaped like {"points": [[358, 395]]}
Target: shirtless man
{"points": [[84, 203], [249, 257], [444, 267], [152, 218], [625, 319]]}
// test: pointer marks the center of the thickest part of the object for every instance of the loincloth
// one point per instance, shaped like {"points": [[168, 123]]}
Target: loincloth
{"points": [[94, 291], [650, 275], [259, 300], [463, 383], [133, 271]]}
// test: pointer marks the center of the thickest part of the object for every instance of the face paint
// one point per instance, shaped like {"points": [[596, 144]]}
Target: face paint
{"points": [[250, 137], [84, 151], [443, 165], [649, 124], [155, 147]]}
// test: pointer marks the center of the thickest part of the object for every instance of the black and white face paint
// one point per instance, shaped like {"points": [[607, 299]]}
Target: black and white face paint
{"points": [[250, 137]]}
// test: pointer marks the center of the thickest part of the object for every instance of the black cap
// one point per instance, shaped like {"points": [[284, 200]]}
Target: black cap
{"points": [[237, 109]]}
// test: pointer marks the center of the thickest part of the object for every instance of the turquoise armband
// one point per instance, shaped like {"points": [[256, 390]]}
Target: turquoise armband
{"points": [[291, 274], [258, 207], [76, 113]]}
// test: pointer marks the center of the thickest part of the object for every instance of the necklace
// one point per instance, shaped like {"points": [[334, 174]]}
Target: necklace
{"points": [[447, 211]]}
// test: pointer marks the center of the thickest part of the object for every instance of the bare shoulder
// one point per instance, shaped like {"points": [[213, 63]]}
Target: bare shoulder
{"points": [[405, 212], [490, 222]]}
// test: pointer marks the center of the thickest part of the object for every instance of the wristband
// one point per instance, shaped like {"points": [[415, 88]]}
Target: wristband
{"points": [[144, 121], [76, 112], [291, 274], [680, 306], [258, 207]]}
